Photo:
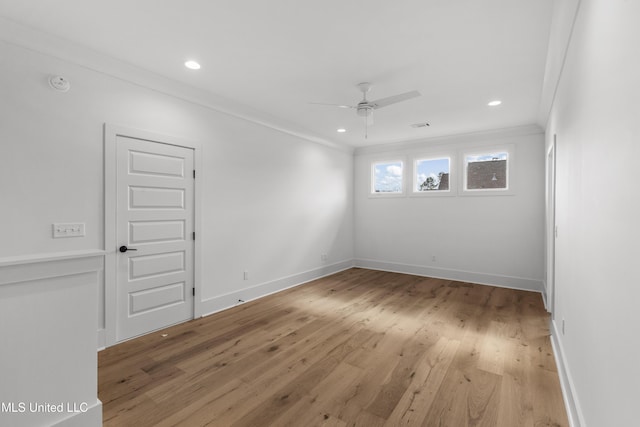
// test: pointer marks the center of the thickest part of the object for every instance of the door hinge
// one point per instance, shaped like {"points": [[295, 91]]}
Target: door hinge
{"points": [[194, 235], [194, 174], [193, 291]]}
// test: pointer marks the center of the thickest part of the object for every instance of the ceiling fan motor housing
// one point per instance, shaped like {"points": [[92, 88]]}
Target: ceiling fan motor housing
{"points": [[364, 109]]}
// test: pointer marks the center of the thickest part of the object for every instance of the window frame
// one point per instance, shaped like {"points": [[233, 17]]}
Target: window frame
{"points": [[483, 151], [452, 191], [372, 177]]}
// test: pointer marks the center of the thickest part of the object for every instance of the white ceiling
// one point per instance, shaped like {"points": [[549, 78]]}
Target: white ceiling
{"points": [[276, 56]]}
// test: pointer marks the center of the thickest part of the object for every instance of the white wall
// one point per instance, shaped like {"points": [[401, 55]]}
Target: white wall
{"points": [[595, 117], [485, 239], [272, 202]]}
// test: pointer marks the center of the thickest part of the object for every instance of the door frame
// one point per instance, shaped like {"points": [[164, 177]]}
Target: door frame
{"points": [[111, 134], [550, 229]]}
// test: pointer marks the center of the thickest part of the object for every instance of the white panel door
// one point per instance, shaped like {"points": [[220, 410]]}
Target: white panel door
{"points": [[155, 202]]}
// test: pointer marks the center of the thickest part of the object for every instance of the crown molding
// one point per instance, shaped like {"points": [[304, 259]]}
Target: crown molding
{"points": [[563, 21], [478, 136]]}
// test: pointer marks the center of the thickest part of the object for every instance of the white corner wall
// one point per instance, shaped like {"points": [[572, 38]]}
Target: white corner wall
{"points": [[595, 117], [492, 239], [272, 202]]}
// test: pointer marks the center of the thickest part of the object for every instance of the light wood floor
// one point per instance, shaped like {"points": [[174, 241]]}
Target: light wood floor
{"points": [[359, 348]]}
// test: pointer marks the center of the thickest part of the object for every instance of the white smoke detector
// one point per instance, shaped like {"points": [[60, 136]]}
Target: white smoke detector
{"points": [[420, 125], [59, 83]]}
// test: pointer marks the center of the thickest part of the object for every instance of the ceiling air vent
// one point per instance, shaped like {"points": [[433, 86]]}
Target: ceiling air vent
{"points": [[420, 125]]}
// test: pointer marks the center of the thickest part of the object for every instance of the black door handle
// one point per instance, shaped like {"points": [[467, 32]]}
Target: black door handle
{"points": [[125, 249]]}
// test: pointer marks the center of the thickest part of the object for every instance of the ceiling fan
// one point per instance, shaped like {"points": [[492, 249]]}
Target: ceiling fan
{"points": [[365, 107]]}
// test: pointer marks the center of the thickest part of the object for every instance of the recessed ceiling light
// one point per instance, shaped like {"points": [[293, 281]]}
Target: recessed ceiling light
{"points": [[192, 65], [341, 130], [494, 103]]}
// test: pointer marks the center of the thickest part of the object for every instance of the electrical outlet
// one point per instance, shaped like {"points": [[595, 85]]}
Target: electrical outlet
{"points": [[75, 229], [323, 257], [433, 258], [563, 326], [246, 275]]}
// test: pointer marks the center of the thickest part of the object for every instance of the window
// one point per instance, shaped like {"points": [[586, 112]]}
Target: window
{"points": [[386, 177], [432, 175], [488, 171]]}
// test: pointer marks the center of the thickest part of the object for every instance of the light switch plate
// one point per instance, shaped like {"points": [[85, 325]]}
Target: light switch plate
{"points": [[75, 229]]}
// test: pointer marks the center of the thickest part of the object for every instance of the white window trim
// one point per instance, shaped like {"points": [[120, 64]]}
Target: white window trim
{"points": [[453, 174], [403, 189], [511, 165]]}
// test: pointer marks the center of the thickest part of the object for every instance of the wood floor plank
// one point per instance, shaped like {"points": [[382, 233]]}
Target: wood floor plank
{"points": [[416, 402], [320, 400], [367, 419], [516, 408], [546, 396], [283, 391], [358, 348], [492, 350]]}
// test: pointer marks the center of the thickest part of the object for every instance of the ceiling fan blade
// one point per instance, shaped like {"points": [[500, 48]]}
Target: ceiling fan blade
{"points": [[383, 102], [332, 105]]}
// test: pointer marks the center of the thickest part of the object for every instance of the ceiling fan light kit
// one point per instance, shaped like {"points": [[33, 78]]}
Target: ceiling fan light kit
{"points": [[365, 107]]}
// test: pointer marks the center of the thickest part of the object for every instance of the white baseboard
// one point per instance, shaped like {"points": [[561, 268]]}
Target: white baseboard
{"points": [[223, 302], [91, 417], [502, 281], [574, 413], [544, 296]]}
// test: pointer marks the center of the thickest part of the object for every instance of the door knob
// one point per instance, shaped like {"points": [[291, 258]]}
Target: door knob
{"points": [[123, 248]]}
